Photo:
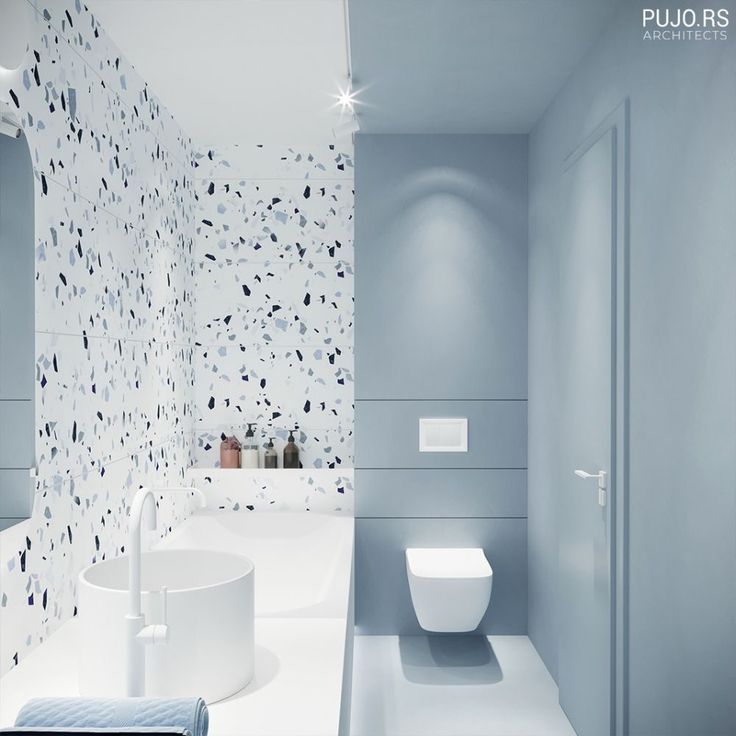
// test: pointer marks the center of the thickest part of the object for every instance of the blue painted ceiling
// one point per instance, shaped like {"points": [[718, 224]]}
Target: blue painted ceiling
{"points": [[466, 66]]}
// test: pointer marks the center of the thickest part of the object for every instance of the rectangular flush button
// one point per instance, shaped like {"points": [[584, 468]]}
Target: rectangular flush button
{"points": [[443, 434]]}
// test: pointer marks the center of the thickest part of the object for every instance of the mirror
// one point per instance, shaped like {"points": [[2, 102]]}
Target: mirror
{"points": [[17, 324], [18, 16]]}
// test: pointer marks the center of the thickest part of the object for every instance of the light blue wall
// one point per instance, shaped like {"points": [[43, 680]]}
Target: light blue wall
{"points": [[440, 230], [382, 596], [390, 432], [17, 325], [440, 289], [441, 493], [682, 615]]}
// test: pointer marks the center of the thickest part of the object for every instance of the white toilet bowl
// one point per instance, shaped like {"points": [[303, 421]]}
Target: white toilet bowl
{"points": [[450, 588]]}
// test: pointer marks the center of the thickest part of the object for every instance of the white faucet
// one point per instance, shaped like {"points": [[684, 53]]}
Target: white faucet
{"points": [[139, 634]]}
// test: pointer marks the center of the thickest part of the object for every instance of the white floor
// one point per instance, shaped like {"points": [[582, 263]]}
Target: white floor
{"points": [[453, 686]]}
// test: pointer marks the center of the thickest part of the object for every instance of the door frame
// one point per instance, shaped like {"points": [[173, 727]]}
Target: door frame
{"points": [[617, 122]]}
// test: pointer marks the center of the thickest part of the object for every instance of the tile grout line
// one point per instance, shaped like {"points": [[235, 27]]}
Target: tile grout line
{"points": [[118, 218], [48, 22], [113, 338], [203, 261], [254, 179], [97, 463], [276, 346], [285, 428]]}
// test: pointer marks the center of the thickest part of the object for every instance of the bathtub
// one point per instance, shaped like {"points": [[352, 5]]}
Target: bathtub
{"points": [[302, 560]]}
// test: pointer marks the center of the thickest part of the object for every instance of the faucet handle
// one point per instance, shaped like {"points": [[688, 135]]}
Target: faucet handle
{"points": [[158, 633], [154, 634], [165, 605]]}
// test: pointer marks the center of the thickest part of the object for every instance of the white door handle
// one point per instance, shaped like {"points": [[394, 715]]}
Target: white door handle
{"points": [[600, 476]]}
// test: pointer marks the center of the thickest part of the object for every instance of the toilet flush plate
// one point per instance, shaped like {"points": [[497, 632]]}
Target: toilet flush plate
{"points": [[443, 434]]}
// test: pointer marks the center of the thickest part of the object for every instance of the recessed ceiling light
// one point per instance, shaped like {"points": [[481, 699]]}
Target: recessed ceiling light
{"points": [[346, 99]]}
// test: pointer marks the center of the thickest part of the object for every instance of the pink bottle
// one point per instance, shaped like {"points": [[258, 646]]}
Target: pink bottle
{"points": [[230, 453]]}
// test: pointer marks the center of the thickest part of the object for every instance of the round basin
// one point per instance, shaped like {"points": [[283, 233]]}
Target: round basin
{"points": [[209, 652]]}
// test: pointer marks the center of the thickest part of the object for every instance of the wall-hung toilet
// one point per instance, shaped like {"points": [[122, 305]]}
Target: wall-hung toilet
{"points": [[450, 588]]}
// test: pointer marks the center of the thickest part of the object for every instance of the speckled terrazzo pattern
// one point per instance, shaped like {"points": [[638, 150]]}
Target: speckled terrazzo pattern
{"points": [[132, 227], [274, 308], [115, 217], [322, 491]]}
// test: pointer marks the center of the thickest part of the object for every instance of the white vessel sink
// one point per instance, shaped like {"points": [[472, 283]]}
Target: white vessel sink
{"points": [[210, 647]]}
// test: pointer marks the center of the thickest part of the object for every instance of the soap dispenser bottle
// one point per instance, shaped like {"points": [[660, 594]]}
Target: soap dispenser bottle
{"points": [[270, 456], [230, 452], [291, 451], [249, 452]]}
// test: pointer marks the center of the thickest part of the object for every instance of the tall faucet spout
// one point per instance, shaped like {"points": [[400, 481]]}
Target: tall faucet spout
{"points": [[138, 507], [143, 509]]}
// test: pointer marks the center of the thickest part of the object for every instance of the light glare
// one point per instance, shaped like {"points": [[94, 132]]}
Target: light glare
{"points": [[346, 100]]}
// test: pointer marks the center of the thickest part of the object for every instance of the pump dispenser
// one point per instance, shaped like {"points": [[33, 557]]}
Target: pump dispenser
{"points": [[249, 453], [270, 456], [291, 451]]}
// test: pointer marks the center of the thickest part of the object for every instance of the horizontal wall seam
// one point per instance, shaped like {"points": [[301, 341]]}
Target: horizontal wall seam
{"points": [[119, 338], [276, 346], [437, 400], [401, 467], [432, 469], [283, 262], [252, 179], [439, 517], [155, 238], [47, 483], [218, 430]]}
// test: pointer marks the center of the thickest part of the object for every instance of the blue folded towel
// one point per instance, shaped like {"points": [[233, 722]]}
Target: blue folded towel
{"points": [[134, 714]]}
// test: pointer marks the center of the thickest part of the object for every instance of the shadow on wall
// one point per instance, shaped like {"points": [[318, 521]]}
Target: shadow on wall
{"points": [[449, 660]]}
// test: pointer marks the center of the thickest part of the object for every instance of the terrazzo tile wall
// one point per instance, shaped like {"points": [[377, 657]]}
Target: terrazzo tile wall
{"points": [[274, 308], [115, 206], [133, 227]]}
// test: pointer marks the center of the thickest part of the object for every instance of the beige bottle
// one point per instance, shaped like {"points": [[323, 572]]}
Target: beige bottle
{"points": [[249, 453]]}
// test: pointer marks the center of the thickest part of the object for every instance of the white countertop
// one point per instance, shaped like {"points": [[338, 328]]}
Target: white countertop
{"points": [[296, 689]]}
